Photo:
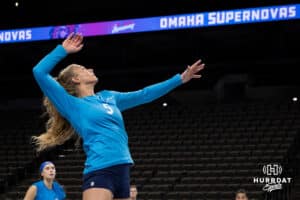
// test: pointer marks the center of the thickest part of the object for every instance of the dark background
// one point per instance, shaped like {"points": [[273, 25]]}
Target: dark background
{"points": [[267, 53]]}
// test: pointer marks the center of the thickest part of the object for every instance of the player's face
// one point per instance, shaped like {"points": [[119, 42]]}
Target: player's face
{"points": [[84, 75], [49, 172], [133, 192], [241, 196]]}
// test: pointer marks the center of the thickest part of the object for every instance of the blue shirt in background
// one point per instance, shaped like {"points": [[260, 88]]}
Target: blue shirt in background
{"points": [[44, 193]]}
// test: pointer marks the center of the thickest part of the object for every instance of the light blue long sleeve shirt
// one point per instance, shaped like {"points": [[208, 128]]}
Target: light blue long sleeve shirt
{"points": [[97, 118]]}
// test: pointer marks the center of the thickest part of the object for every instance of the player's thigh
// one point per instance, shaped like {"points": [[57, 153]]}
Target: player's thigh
{"points": [[97, 194]]}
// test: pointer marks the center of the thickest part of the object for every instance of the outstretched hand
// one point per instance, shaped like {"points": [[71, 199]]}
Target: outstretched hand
{"points": [[191, 71], [73, 43]]}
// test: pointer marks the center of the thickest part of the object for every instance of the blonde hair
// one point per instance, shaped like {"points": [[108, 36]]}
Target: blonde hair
{"points": [[58, 129]]}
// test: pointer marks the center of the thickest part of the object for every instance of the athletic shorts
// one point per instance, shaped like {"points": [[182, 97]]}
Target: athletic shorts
{"points": [[115, 178]]}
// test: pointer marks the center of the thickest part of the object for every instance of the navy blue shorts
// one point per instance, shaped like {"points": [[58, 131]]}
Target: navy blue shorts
{"points": [[115, 178]]}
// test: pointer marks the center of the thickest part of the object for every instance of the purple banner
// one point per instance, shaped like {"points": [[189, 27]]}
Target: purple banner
{"points": [[183, 21]]}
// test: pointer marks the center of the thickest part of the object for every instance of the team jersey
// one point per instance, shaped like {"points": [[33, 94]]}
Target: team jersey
{"points": [[44, 193], [97, 118]]}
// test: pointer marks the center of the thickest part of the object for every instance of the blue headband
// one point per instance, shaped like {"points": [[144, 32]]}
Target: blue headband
{"points": [[44, 164]]}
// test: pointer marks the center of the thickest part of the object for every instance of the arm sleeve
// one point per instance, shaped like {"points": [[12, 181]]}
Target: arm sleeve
{"points": [[60, 98], [126, 100]]}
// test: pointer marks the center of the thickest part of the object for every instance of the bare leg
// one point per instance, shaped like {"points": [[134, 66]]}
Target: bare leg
{"points": [[97, 194]]}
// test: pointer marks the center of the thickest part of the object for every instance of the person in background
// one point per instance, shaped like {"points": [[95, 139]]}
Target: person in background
{"points": [[133, 192], [47, 188], [241, 194]]}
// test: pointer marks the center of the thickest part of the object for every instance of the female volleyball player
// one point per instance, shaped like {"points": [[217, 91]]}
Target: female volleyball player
{"points": [[47, 188], [74, 106]]}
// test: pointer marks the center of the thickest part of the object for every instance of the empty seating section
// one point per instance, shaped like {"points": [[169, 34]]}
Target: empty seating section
{"points": [[16, 152], [180, 152], [209, 152]]}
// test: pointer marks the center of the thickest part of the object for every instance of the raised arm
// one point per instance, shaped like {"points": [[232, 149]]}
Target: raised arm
{"points": [[50, 87], [126, 100]]}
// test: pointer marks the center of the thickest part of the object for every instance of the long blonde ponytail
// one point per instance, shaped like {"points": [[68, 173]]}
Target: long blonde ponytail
{"points": [[58, 129]]}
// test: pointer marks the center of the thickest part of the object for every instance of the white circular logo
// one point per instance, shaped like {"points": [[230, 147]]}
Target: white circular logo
{"points": [[272, 169]]}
